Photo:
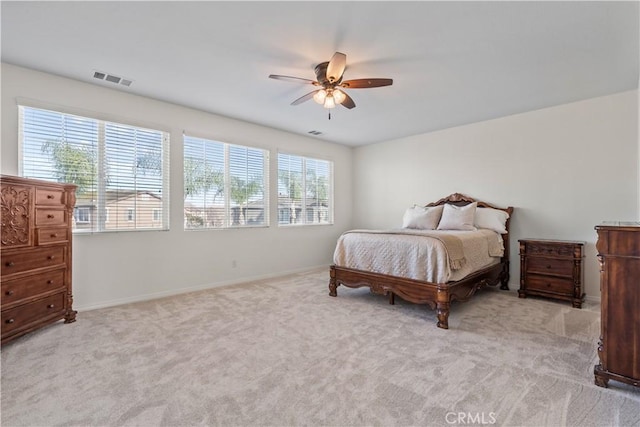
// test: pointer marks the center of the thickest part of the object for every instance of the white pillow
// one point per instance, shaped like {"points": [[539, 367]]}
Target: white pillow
{"points": [[492, 219], [458, 217], [422, 218]]}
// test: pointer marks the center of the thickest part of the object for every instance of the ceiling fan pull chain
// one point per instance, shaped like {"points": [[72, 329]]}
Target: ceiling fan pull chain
{"points": [[329, 114]]}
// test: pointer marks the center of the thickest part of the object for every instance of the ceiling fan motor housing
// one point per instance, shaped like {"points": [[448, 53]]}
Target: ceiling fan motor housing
{"points": [[321, 75]]}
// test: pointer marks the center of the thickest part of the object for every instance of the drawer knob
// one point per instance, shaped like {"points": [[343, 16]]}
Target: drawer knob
{"points": [[9, 321], [54, 235], [10, 264], [50, 216], [9, 293], [49, 196], [548, 266], [49, 282], [51, 257], [548, 285], [51, 306]]}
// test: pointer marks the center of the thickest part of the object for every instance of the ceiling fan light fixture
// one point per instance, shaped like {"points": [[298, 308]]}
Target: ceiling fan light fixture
{"points": [[339, 96], [320, 96], [329, 102]]}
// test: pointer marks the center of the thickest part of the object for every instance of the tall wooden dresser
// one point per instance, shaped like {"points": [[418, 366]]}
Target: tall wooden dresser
{"points": [[619, 347], [35, 254]]}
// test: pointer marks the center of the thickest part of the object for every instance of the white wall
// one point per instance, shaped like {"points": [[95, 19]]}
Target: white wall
{"points": [[120, 267], [564, 170]]}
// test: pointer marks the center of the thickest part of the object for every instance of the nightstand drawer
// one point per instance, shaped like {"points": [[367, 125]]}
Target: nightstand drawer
{"points": [[549, 284], [549, 249], [554, 266]]}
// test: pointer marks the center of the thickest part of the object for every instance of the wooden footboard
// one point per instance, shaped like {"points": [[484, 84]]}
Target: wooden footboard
{"points": [[437, 295]]}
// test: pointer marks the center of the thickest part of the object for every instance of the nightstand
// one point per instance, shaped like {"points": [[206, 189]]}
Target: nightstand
{"points": [[553, 269]]}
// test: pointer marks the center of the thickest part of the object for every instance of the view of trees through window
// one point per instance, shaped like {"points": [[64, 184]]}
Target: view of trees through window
{"points": [[122, 176], [304, 190], [225, 185], [117, 168]]}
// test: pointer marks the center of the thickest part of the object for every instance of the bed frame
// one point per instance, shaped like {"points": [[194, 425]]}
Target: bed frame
{"points": [[437, 295]]}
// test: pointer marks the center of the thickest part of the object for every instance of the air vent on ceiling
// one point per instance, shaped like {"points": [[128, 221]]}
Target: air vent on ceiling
{"points": [[112, 78], [315, 132]]}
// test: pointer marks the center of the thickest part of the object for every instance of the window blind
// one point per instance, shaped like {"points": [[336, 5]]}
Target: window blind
{"points": [[225, 185], [121, 171], [305, 187]]}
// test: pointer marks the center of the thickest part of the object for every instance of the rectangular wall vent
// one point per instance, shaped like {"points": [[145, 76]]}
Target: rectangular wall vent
{"points": [[112, 78]]}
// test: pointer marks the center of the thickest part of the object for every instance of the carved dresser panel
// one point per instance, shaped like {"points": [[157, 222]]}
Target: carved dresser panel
{"points": [[619, 348], [553, 269], [35, 254]]}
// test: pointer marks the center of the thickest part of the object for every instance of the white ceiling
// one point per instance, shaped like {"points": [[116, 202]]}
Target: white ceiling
{"points": [[452, 63]]}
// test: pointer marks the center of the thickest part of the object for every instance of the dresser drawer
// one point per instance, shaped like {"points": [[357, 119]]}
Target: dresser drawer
{"points": [[35, 311], [14, 291], [549, 284], [52, 235], [541, 265], [51, 217], [552, 250], [50, 197], [18, 262]]}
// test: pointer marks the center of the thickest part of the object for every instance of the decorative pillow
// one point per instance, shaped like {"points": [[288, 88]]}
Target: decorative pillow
{"points": [[492, 219], [422, 218], [458, 217]]}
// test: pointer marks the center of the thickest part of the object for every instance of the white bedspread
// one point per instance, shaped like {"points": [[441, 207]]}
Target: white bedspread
{"points": [[417, 254]]}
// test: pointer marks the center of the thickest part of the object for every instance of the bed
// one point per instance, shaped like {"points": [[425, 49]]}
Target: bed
{"points": [[452, 275]]}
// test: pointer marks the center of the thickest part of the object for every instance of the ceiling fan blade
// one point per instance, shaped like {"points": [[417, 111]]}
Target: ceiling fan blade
{"points": [[348, 102], [366, 83], [305, 97], [336, 67], [293, 79]]}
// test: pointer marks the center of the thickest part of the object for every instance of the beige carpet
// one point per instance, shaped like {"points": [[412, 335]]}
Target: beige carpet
{"points": [[281, 352]]}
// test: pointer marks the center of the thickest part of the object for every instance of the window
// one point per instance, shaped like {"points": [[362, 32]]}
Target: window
{"points": [[225, 185], [116, 167], [305, 188], [82, 214]]}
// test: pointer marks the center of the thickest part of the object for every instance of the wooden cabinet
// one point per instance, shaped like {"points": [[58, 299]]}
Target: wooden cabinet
{"points": [[552, 268], [35, 254], [619, 347]]}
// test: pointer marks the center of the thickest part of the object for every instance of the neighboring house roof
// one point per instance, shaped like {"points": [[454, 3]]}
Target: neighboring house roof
{"points": [[114, 197]]}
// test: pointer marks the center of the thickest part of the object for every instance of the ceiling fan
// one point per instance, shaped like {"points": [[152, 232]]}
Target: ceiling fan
{"points": [[330, 84]]}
